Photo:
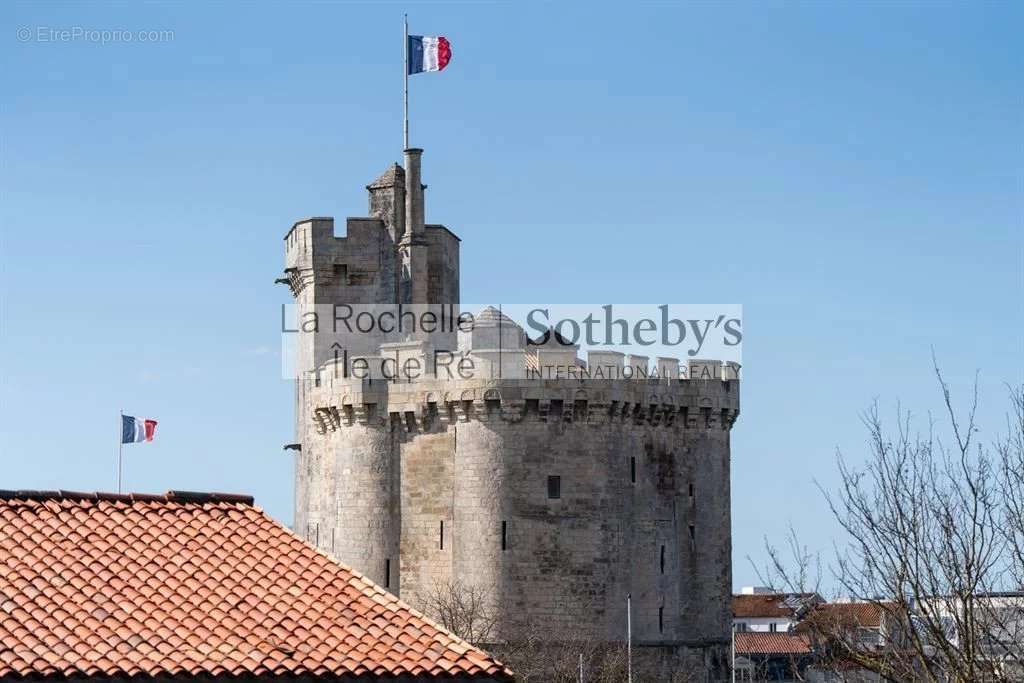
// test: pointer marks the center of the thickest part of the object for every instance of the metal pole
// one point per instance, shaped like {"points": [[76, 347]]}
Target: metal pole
{"points": [[405, 83], [629, 638], [120, 445], [581, 667], [733, 648]]}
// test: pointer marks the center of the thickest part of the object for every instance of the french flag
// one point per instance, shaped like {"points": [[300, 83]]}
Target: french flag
{"points": [[428, 53], [136, 429]]}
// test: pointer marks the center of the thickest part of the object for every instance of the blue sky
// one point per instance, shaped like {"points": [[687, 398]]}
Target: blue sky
{"points": [[849, 173]]}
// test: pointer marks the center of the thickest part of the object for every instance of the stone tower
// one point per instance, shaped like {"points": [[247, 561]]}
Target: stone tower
{"points": [[555, 497]]}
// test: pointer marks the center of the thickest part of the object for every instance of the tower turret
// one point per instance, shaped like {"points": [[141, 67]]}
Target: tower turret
{"points": [[412, 249]]}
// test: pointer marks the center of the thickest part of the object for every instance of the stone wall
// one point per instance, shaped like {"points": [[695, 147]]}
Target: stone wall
{"points": [[642, 506]]}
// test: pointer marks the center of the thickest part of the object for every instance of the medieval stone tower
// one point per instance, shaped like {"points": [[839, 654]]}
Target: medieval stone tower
{"points": [[555, 497]]}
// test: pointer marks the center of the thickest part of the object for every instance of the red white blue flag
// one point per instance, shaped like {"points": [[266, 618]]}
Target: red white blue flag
{"points": [[136, 429], [428, 53]]}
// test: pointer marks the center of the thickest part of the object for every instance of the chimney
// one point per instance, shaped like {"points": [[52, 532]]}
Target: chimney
{"points": [[413, 193]]}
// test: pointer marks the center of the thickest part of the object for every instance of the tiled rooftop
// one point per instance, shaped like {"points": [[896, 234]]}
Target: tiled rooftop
{"points": [[103, 585], [761, 643], [767, 605], [851, 614]]}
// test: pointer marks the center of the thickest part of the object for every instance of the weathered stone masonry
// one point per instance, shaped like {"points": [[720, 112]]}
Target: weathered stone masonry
{"points": [[386, 469]]}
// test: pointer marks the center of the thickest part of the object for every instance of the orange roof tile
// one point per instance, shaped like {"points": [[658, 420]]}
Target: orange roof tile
{"points": [[765, 605], [761, 643], [852, 614], [197, 584]]}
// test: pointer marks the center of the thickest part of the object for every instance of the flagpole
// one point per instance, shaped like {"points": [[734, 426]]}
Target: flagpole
{"points": [[405, 83], [120, 445]]}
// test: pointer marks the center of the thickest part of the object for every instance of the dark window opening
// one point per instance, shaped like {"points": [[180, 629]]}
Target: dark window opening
{"points": [[632, 469], [441, 539], [554, 486], [693, 533], [773, 627], [662, 559], [691, 490], [661, 619], [387, 573], [504, 535]]}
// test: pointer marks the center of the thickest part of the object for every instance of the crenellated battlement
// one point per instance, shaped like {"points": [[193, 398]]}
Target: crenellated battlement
{"points": [[431, 404]]}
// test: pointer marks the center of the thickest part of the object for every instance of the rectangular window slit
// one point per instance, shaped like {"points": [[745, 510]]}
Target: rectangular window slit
{"points": [[504, 535], [632, 469], [387, 572], [662, 559], [554, 487], [661, 619], [691, 490], [693, 534], [442, 535]]}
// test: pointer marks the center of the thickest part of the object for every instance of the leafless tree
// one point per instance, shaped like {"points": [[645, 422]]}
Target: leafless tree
{"points": [[934, 544], [1010, 450], [535, 651], [464, 609]]}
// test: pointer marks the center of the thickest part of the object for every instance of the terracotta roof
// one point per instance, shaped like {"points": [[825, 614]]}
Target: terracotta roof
{"points": [[760, 643], [860, 614], [765, 605], [102, 585]]}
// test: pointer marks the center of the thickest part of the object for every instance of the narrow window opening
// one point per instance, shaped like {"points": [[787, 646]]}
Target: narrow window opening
{"points": [[632, 469], [691, 490], [773, 627], [554, 487], [441, 539], [504, 535], [662, 559], [387, 572], [693, 535], [661, 619]]}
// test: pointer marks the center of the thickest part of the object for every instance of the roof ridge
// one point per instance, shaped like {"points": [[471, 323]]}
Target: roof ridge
{"points": [[171, 496]]}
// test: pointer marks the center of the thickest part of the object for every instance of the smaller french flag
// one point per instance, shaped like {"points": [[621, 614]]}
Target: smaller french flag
{"points": [[136, 429], [428, 53]]}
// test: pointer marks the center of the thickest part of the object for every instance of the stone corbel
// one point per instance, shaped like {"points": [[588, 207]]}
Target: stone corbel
{"points": [[513, 410]]}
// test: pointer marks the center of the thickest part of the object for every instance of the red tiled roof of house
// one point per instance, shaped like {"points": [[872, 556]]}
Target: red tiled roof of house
{"points": [[760, 643], [766, 605], [861, 614], [102, 585]]}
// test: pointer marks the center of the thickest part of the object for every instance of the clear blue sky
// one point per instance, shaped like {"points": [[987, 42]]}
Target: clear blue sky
{"points": [[851, 174]]}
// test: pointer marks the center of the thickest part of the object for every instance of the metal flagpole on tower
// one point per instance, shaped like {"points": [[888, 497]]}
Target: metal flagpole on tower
{"points": [[120, 445], [405, 83]]}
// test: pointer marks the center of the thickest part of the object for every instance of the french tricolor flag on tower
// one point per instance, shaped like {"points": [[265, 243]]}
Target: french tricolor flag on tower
{"points": [[428, 53], [136, 429]]}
